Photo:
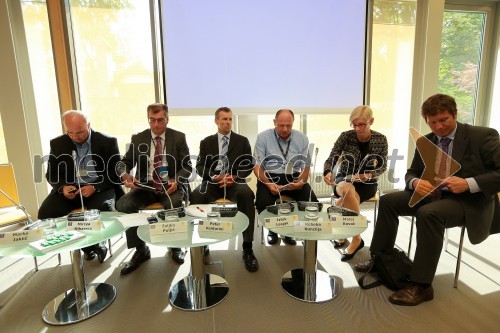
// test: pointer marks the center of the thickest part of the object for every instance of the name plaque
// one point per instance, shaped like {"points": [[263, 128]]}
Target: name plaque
{"points": [[280, 221], [167, 228], [19, 237], [349, 221], [318, 227], [212, 226], [95, 225]]}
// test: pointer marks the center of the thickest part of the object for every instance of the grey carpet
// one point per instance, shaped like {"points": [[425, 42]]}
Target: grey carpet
{"points": [[256, 302]]}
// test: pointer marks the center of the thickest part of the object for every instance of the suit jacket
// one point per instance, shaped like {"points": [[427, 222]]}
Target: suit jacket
{"points": [[176, 150], [477, 149], [105, 154], [239, 156]]}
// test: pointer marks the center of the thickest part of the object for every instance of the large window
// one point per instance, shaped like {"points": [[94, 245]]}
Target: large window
{"points": [[36, 25], [114, 59], [460, 62]]}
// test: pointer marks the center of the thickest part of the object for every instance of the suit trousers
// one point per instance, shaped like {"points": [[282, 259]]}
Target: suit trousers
{"points": [[266, 198], [57, 205], [432, 218], [208, 192], [136, 200]]}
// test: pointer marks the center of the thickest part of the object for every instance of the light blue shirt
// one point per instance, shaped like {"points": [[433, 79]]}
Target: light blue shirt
{"points": [[473, 186], [86, 165], [294, 150]]}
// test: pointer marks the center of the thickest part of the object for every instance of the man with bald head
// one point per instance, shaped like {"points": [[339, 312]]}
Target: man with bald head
{"points": [[96, 155], [282, 166]]}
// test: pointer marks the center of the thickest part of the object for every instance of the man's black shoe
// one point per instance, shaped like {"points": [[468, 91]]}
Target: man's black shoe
{"points": [[178, 255], [251, 263], [289, 241], [272, 238], [137, 259], [102, 252], [89, 255]]}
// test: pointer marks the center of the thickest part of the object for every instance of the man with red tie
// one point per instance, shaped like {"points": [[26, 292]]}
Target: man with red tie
{"points": [[161, 158]]}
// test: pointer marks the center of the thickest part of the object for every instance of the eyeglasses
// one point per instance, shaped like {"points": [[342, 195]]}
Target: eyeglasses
{"points": [[360, 125], [156, 120], [79, 134]]}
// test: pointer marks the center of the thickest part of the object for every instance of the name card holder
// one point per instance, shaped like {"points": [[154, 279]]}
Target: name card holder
{"points": [[163, 228], [212, 226], [85, 226], [318, 227], [349, 221], [280, 221], [19, 237]]}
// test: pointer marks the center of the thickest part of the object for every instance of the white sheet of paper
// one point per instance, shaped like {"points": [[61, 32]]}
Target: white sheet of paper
{"points": [[133, 220]]}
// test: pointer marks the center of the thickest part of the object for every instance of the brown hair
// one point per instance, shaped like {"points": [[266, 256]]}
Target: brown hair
{"points": [[439, 103], [157, 107], [221, 109]]}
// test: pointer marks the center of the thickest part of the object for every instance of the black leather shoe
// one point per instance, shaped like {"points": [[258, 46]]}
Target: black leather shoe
{"points": [[102, 252], [89, 255], [178, 255], [412, 294], [337, 244], [346, 256], [272, 238], [251, 263], [364, 267], [289, 241], [137, 259]]}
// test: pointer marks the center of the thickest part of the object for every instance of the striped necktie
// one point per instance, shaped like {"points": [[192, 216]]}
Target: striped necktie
{"points": [[223, 152]]}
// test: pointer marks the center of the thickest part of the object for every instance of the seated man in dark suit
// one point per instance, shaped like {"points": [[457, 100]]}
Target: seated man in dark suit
{"points": [[96, 156], [282, 167], [224, 161], [468, 197], [161, 158]]}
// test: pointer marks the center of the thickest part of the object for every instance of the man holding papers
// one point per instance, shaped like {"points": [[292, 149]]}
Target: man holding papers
{"points": [[161, 158]]}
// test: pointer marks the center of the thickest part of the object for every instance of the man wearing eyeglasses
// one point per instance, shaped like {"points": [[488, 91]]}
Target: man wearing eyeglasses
{"points": [[96, 156], [161, 158]]}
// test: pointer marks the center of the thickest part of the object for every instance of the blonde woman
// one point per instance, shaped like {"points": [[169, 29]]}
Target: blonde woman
{"points": [[362, 156]]}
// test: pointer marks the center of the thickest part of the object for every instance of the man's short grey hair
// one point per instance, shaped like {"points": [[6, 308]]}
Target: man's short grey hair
{"points": [[75, 113]]}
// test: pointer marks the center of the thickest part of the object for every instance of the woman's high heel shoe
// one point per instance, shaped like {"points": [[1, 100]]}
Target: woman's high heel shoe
{"points": [[346, 256]]}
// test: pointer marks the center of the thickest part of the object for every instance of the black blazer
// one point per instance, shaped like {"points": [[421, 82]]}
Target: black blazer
{"points": [[477, 149], [176, 150], [105, 154], [239, 156]]}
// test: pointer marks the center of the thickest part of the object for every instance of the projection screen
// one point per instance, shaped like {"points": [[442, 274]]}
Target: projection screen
{"points": [[261, 55]]}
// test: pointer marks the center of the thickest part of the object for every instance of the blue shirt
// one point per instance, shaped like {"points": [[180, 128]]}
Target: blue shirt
{"points": [[86, 165], [294, 150]]}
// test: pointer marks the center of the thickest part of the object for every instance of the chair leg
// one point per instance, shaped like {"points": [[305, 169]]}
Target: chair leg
{"points": [[59, 258], [411, 235], [110, 248], [36, 264], [446, 240], [459, 257], [375, 213]]}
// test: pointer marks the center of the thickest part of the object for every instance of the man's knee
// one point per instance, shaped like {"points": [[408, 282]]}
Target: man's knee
{"points": [[125, 204]]}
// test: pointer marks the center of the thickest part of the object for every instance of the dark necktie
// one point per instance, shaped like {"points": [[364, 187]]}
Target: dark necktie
{"points": [[157, 163], [223, 152], [445, 145]]}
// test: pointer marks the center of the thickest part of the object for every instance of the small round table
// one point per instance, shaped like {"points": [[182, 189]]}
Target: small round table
{"points": [[85, 299], [309, 284], [199, 290]]}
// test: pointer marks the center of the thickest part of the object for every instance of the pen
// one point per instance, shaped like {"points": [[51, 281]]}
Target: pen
{"points": [[201, 210]]}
